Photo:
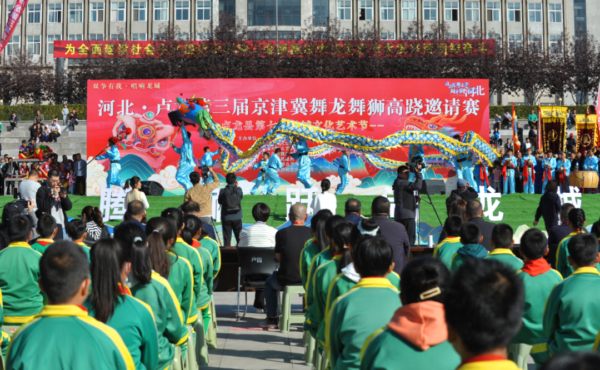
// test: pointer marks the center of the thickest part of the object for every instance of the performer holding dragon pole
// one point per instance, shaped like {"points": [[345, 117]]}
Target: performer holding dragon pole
{"points": [[273, 165], [207, 160], [261, 174], [186, 163], [304, 162], [528, 163], [343, 169], [463, 165], [113, 154]]}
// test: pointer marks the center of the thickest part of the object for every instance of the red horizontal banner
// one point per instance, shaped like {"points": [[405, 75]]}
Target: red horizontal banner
{"points": [[288, 49]]}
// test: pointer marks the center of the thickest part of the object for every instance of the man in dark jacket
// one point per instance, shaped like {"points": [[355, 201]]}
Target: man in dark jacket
{"points": [[231, 219], [475, 214], [406, 200], [558, 233], [394, 232], [464, 191], [353, 211], [53, 200], [10, 171]]}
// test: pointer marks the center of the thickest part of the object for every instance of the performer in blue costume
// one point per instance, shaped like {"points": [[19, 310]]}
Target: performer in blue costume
{"points": [[261, 174], [563, 169], [186, 164], [590, 163], [481, 176], [549, 165], [528, 163], [207, 160], [304, 162], [463, 165], [343, 169], [273, 165], [509, 164], [113, 154]]}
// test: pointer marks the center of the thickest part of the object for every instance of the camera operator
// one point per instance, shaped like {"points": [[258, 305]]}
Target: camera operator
{"points": [[406, 197], [201, 193], [52, 199]]}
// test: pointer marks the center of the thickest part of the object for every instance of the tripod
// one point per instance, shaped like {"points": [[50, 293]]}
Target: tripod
{"points": [[430, 202], [215, 229]]}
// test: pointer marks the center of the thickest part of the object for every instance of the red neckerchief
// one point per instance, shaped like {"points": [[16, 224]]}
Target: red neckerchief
{"points": [[124, 290], [338, 254], [44, 242], [196, 244], [536, 267], [300, 223], [83, 308], [483, 175], [526, 173], [483, 358]]}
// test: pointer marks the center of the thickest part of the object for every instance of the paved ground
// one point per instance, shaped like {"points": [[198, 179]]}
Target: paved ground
{"points": [[244, 345]]}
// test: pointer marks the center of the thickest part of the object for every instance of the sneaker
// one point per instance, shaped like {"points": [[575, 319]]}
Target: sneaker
{"points": [[270, 323]]}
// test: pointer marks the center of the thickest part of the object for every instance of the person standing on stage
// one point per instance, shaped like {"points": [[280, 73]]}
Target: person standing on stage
{"points": [[304, 162], [549, 165], [563, 169], [508, 171], [481, 176], [528, 163], [273, 165], [113, 154], [207, 160], [406, 198], [260, 165], [186, 164], [343, 169]]}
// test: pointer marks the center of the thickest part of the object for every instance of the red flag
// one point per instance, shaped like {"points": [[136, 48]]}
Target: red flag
{"points": [[11, 22], [516, 142]]}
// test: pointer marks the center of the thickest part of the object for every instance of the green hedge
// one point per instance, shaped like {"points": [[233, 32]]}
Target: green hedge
{"points": [[525, 110], [28, 112]]}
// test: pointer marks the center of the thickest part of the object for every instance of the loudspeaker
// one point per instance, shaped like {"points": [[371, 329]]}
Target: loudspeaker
{"points": [[152, 188], [432, 187]]}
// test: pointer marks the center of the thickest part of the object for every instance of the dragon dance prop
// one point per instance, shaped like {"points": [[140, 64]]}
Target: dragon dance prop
{"points": [[233, 159]]}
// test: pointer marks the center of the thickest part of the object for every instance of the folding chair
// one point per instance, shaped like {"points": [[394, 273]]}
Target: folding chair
{"points": [[255, 266]]}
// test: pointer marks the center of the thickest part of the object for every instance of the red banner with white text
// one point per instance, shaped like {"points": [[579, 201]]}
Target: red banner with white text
{"points": [[12, 21]]}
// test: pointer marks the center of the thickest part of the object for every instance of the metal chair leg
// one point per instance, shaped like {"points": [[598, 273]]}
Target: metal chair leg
{"points": [[246, 308], [238, 295]]}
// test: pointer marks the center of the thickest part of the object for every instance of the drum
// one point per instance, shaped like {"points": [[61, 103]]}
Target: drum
{"points": [[584, 179]]}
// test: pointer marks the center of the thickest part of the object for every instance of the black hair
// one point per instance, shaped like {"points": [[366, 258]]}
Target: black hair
{"points": [[159, 231], [564, 211], [92, 214], [192, 226], [484, 304], [402, 169], [195, 177], [534, 244], [469, 233], [267, 154], [230, 178], [46, 226], [133, 241], [206, 149], [576, 218], [421, 275], [367, 224], [63, 267], [135, 208], [19, 228], [330, 225], [474, 208], [76, 228], [107, 260], [261, 212], [583, 249], [552, 186], [325, 185], [190, 207], [353, 206], [132, 182], [596, 229], [452, 225], [380, 205], [502, 236], [24, 141], [573, 361], [373, 257], [278, 150], [52, 173], [321, 218], [175, 216], [341, 238]]}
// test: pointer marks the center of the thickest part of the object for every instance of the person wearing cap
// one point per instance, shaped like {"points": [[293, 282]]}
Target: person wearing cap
{"points": [[549, 165], [509, 164], [528, 163], [571, 143], [563, 169], [113, 154], [463, 191]]}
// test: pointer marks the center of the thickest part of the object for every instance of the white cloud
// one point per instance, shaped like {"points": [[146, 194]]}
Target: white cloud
{"points": [[166, 178]]}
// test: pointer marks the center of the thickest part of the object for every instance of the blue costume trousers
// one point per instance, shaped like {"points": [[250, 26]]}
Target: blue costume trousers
{"points": [[467, 174], [183, 176], [481, 183], [544, 185], [272, 182], [510, 179], [529, 188], [113, 176], [343, 184], [257, 183]]}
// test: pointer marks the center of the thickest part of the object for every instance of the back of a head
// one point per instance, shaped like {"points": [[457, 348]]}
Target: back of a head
{"points": [[596, 229], [325, 185], [190, 207], [261, 212], [195, 178], [380, 205], [573, 361], [484, 305], [230, 178], [469, 233], [315, 218], [583, 249], [297, 212], [76, 228], [373, 257], [135, 208], [46, 226], [63, 267], [452, 225], [160, 232], [106, 262], [132, 182], [402, 169], [366, 227], [552, 186], [352, 206], [474, 209], [534, 244], [319, 229], [174, 215], [92, 214], [192, 226], [133, 242], [19, 229], [424, 279], [331, 224], [502, 236], [564, 211], [33, 175], [459, 207], [341, 238], [576, 218]]}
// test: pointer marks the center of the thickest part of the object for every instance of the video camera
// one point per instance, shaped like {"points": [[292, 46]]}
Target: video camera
{"points": [[416, 164], [205, 172]]}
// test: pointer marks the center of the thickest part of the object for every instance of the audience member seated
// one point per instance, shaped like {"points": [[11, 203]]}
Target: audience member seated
{"points": [[315, 245], [260, 234], [464, 192], [475, 215], [289, 242], [95, 228], [470, 238], [576, 223], [446, 249], [558, 233], [46, 228], [502, 242], [324, 199], [353, 211], [193, 208], [394, 232], [136, 212]]}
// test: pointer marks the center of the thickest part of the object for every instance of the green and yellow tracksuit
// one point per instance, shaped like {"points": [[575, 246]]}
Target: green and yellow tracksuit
{"points": [[356, 315], [134, 321], [65, 337], [86, 249], [181, 280], [5, 338], [488, 362], [323, 277], [562, 256], [182, 249], [41, 245], [445, 249], [310, 250], [203, 301], [507, 257], [324, 256], [465, 253], [416, 336], [213, 248], [571, 321], [19, 275], [170, 325]]}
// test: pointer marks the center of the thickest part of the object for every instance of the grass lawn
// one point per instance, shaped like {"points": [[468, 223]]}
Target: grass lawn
{"points": [[518, 209]]}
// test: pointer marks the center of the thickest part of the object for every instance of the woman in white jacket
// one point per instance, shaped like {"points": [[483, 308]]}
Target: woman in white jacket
{"points": [[65, 113], [324, 200], [135, 183]]}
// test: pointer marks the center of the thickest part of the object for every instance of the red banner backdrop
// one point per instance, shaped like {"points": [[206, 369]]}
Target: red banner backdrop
{"points": [[12, 21], [295, 49], [374, 108]]}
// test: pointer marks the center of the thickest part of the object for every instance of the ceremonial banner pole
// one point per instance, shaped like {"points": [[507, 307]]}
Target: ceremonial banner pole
{"points": [[12, 21]]}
